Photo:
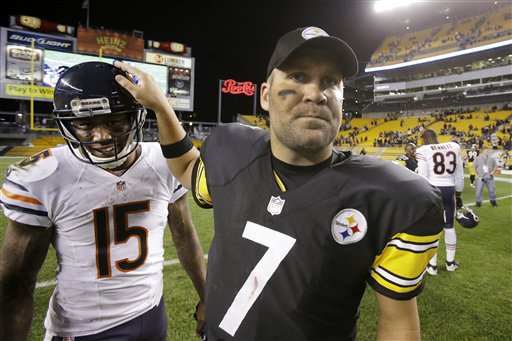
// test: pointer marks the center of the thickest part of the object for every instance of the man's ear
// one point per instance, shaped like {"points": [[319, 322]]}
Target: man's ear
{"points": [[264, 92]]}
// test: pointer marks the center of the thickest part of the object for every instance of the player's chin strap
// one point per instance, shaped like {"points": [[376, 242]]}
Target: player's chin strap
{"points": [[99, 161], [103, 162]]}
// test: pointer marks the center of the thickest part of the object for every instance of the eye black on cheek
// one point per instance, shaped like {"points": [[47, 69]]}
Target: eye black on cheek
{"points": [[285, 92]]}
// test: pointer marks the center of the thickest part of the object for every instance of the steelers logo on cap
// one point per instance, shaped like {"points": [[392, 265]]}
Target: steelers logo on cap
{"points": [[348, 226], [313, 32]]}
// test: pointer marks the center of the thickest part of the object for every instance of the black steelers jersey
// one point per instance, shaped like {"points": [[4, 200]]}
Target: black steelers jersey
{"points": [[472, 154], [293, 265], [411, 164]]}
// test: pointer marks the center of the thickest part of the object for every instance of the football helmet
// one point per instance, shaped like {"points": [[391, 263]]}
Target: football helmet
{"points": [[88, 90], [467, 218]]}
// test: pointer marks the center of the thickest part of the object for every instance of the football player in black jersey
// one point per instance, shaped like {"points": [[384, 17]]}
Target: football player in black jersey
{"points": [[410, 157], [472, 153], [301, 228]]}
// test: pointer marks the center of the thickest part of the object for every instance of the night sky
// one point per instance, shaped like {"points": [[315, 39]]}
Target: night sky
{"points": [[231, 39]]}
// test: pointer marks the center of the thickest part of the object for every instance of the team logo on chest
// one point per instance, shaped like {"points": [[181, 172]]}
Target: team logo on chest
{"points": [[348, 226], [121, 186], [275, 205]]}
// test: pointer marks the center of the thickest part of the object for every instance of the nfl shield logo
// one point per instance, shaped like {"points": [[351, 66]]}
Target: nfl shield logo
{"points": [[121, 185], [275, 205]]}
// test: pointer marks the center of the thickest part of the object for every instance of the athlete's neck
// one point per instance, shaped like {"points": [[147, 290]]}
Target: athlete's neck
{"points": [[130, 160]]}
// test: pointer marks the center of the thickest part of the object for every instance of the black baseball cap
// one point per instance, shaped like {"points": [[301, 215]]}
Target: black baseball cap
{"points": [[314, 37]]}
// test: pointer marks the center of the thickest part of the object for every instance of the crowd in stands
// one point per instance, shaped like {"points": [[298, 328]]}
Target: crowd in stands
{"points": [[478, 135], [263, 119], [458, 35], [467, 128]]}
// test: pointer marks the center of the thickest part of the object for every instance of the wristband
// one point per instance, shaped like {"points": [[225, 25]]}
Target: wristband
{"points": [[177, 149]]}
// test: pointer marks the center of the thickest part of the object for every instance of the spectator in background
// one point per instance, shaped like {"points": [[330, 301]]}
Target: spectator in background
{"points": [[472, 153], [505, 158], [485, 166], [410, 153], [494, 140]]}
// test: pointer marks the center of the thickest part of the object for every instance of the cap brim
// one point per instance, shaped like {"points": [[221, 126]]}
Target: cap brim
{"points": [[343, 53]]}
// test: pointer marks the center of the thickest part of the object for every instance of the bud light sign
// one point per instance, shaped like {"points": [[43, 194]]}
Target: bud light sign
{"points": [[40, 41]]}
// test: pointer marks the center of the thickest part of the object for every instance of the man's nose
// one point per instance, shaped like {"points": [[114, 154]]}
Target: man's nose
{"points": [[100, 133], [314, 92]]}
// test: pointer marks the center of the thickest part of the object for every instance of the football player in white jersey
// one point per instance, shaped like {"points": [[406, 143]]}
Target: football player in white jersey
{"points": [[103, 202], [441, 163]]}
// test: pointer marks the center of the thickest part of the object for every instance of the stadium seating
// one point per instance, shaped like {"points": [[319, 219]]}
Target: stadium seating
{"points": [[38, 144], [465, 33], [364, 132]]}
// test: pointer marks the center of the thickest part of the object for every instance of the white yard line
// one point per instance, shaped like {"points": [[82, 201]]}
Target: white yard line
{"points": [[168, 262], [496, 178]]}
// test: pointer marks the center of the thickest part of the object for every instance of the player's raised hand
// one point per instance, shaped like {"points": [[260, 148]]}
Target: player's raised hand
{"points": [[146, 91]]}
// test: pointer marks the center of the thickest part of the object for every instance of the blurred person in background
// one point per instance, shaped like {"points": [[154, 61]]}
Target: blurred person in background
{"points": [[410, 153], [485, 166], [472, 153]]}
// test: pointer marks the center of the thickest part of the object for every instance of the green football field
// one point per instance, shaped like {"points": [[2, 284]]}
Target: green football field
{"points": [[472, 304]]}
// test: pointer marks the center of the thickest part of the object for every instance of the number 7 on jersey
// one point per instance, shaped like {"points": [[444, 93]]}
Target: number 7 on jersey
{"points": [[279, 245]]}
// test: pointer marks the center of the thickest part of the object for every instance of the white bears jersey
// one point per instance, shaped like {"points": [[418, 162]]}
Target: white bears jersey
{"points": [[442, 164], [108, 234]]}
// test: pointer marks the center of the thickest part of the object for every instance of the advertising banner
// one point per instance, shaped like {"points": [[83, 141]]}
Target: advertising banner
{"points": [[172, 47], [18, 67], [40, 40], [41, 25], [24, 90], [180, 78], [19, 63], [56, 62], [179, 82], [233, 87], [169, 60], [184, 104], [109, 43]]}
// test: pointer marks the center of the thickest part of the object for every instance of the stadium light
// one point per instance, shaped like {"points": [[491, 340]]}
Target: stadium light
{"points": [[386, 5]]}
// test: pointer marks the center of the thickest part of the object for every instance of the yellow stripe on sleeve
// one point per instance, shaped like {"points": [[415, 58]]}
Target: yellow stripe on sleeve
{"points": [[201, 189], [400, 267]]}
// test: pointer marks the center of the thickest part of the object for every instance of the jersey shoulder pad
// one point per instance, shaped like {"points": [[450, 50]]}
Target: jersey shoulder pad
{"points": [[455, 146], [235, 135], [152, 152], [231, 147], [155, 159], [421, 149], [394, 179], [36, 167]]}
